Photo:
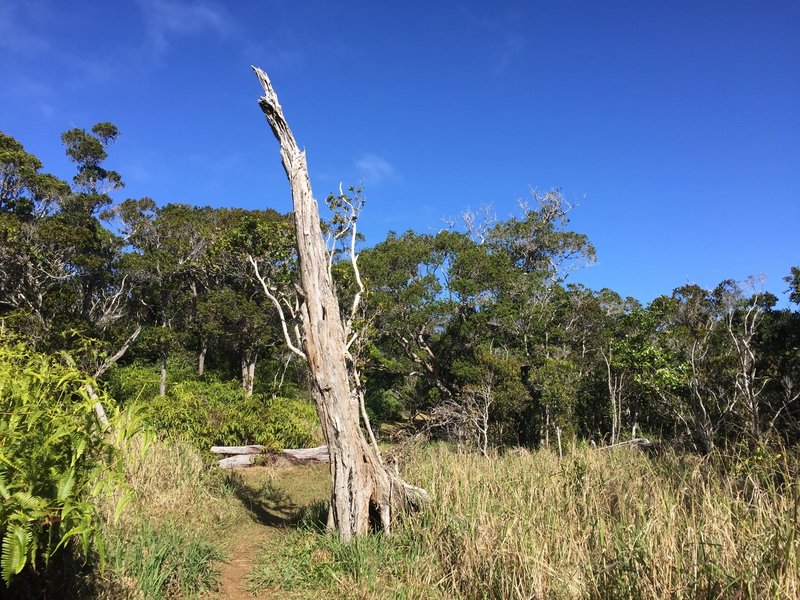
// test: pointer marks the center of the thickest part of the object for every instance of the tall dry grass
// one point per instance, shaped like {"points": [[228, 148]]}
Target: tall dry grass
{"points": [[605, 524], [164, 543], [597, 524]]}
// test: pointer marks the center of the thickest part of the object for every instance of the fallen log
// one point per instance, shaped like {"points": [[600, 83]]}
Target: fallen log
{"points": [[231, 450], [318, 454], [641, 443], [247, 456], [242, 460]]}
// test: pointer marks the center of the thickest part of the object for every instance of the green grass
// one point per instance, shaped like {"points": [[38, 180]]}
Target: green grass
{"points": [[311, 564], [166, 544], [165, 562]]}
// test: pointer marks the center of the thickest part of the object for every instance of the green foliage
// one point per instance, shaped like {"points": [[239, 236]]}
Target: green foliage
{"points": [[56, 462], [167, 542], [133, 382], [697, 367], [208, 413], [793, 279], [92, 182], [23, 189], [165, 562], [313, 562], [555, 383]]}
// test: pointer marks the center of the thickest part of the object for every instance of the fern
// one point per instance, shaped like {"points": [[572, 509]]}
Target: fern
{"points": [[65, 485], [15, 551], [55, 459]]}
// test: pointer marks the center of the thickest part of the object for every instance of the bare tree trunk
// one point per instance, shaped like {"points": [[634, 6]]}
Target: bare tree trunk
{"points": [[249, 359], [547, 426], [276, 384], [251, 375], [101, 370], [558, 438], [162, 380], [201, 358], [364, 491]]}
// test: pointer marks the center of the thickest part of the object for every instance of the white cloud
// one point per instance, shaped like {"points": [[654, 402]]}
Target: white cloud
{"points": [[375, 169], [500, 31], [17, 35], [511, 47], [167, 18]]}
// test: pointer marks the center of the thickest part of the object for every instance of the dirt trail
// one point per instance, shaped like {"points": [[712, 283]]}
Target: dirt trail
{"points": [[243, 551], [274, 497]]}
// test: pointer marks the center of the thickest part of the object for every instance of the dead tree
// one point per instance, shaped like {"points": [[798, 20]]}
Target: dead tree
{"points": [[364, 490], [101, 370]]}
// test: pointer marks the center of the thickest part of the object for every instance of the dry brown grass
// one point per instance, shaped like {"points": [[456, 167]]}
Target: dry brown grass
{"points": [[597, 524], [607, 525]]}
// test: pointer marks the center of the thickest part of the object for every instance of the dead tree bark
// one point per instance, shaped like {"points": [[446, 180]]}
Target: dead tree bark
{"points": [[249, 359], [364, 491], [162, 376], [248, 456], [101, 370], [201, 358]]}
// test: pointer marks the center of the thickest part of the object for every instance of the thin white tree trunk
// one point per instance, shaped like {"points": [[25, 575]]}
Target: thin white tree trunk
{"points": [[251, 374], [201, 359], [361, 485], [101, 370], [162, 380]]}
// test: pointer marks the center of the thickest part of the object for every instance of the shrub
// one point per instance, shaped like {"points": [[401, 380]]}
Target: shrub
{"points": [[218, 413], [167, 542], [56, 462]]}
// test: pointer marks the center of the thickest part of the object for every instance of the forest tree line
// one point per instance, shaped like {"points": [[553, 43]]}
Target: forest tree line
{"points": [[474, 333]]}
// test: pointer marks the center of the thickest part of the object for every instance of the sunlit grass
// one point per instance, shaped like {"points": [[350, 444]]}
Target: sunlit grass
{"points": [[165, 544], [597, 524]]}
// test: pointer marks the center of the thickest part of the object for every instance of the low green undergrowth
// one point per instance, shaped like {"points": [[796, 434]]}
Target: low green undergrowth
{"points": [[208, 411], [209, 414], [164, 561], [166, 543], [373, 566], [57, 463]]}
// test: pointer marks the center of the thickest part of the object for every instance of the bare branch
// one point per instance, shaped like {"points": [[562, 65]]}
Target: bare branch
{"points": [[276, 303], [479, 222], [111, 360]]}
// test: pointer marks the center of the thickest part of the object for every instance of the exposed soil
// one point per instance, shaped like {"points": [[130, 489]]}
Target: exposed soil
{"points": [[243, 551], [274, 496]]}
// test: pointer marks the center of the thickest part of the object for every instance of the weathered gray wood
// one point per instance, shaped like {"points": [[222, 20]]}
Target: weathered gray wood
{"points": [[317, 453], [101, 370], [243, 460], [360, 480], [247, 456], [230, 450]]}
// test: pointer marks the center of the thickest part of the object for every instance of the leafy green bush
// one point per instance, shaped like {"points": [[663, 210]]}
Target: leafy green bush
{"points": [[208, 413], [56, 461]]}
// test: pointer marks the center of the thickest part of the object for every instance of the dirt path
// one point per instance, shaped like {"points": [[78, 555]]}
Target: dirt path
{"points": [[243, 551], [274, 497]]}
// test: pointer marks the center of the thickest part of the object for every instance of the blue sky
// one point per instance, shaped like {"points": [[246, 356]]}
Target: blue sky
{"points": [[675, 126]]}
